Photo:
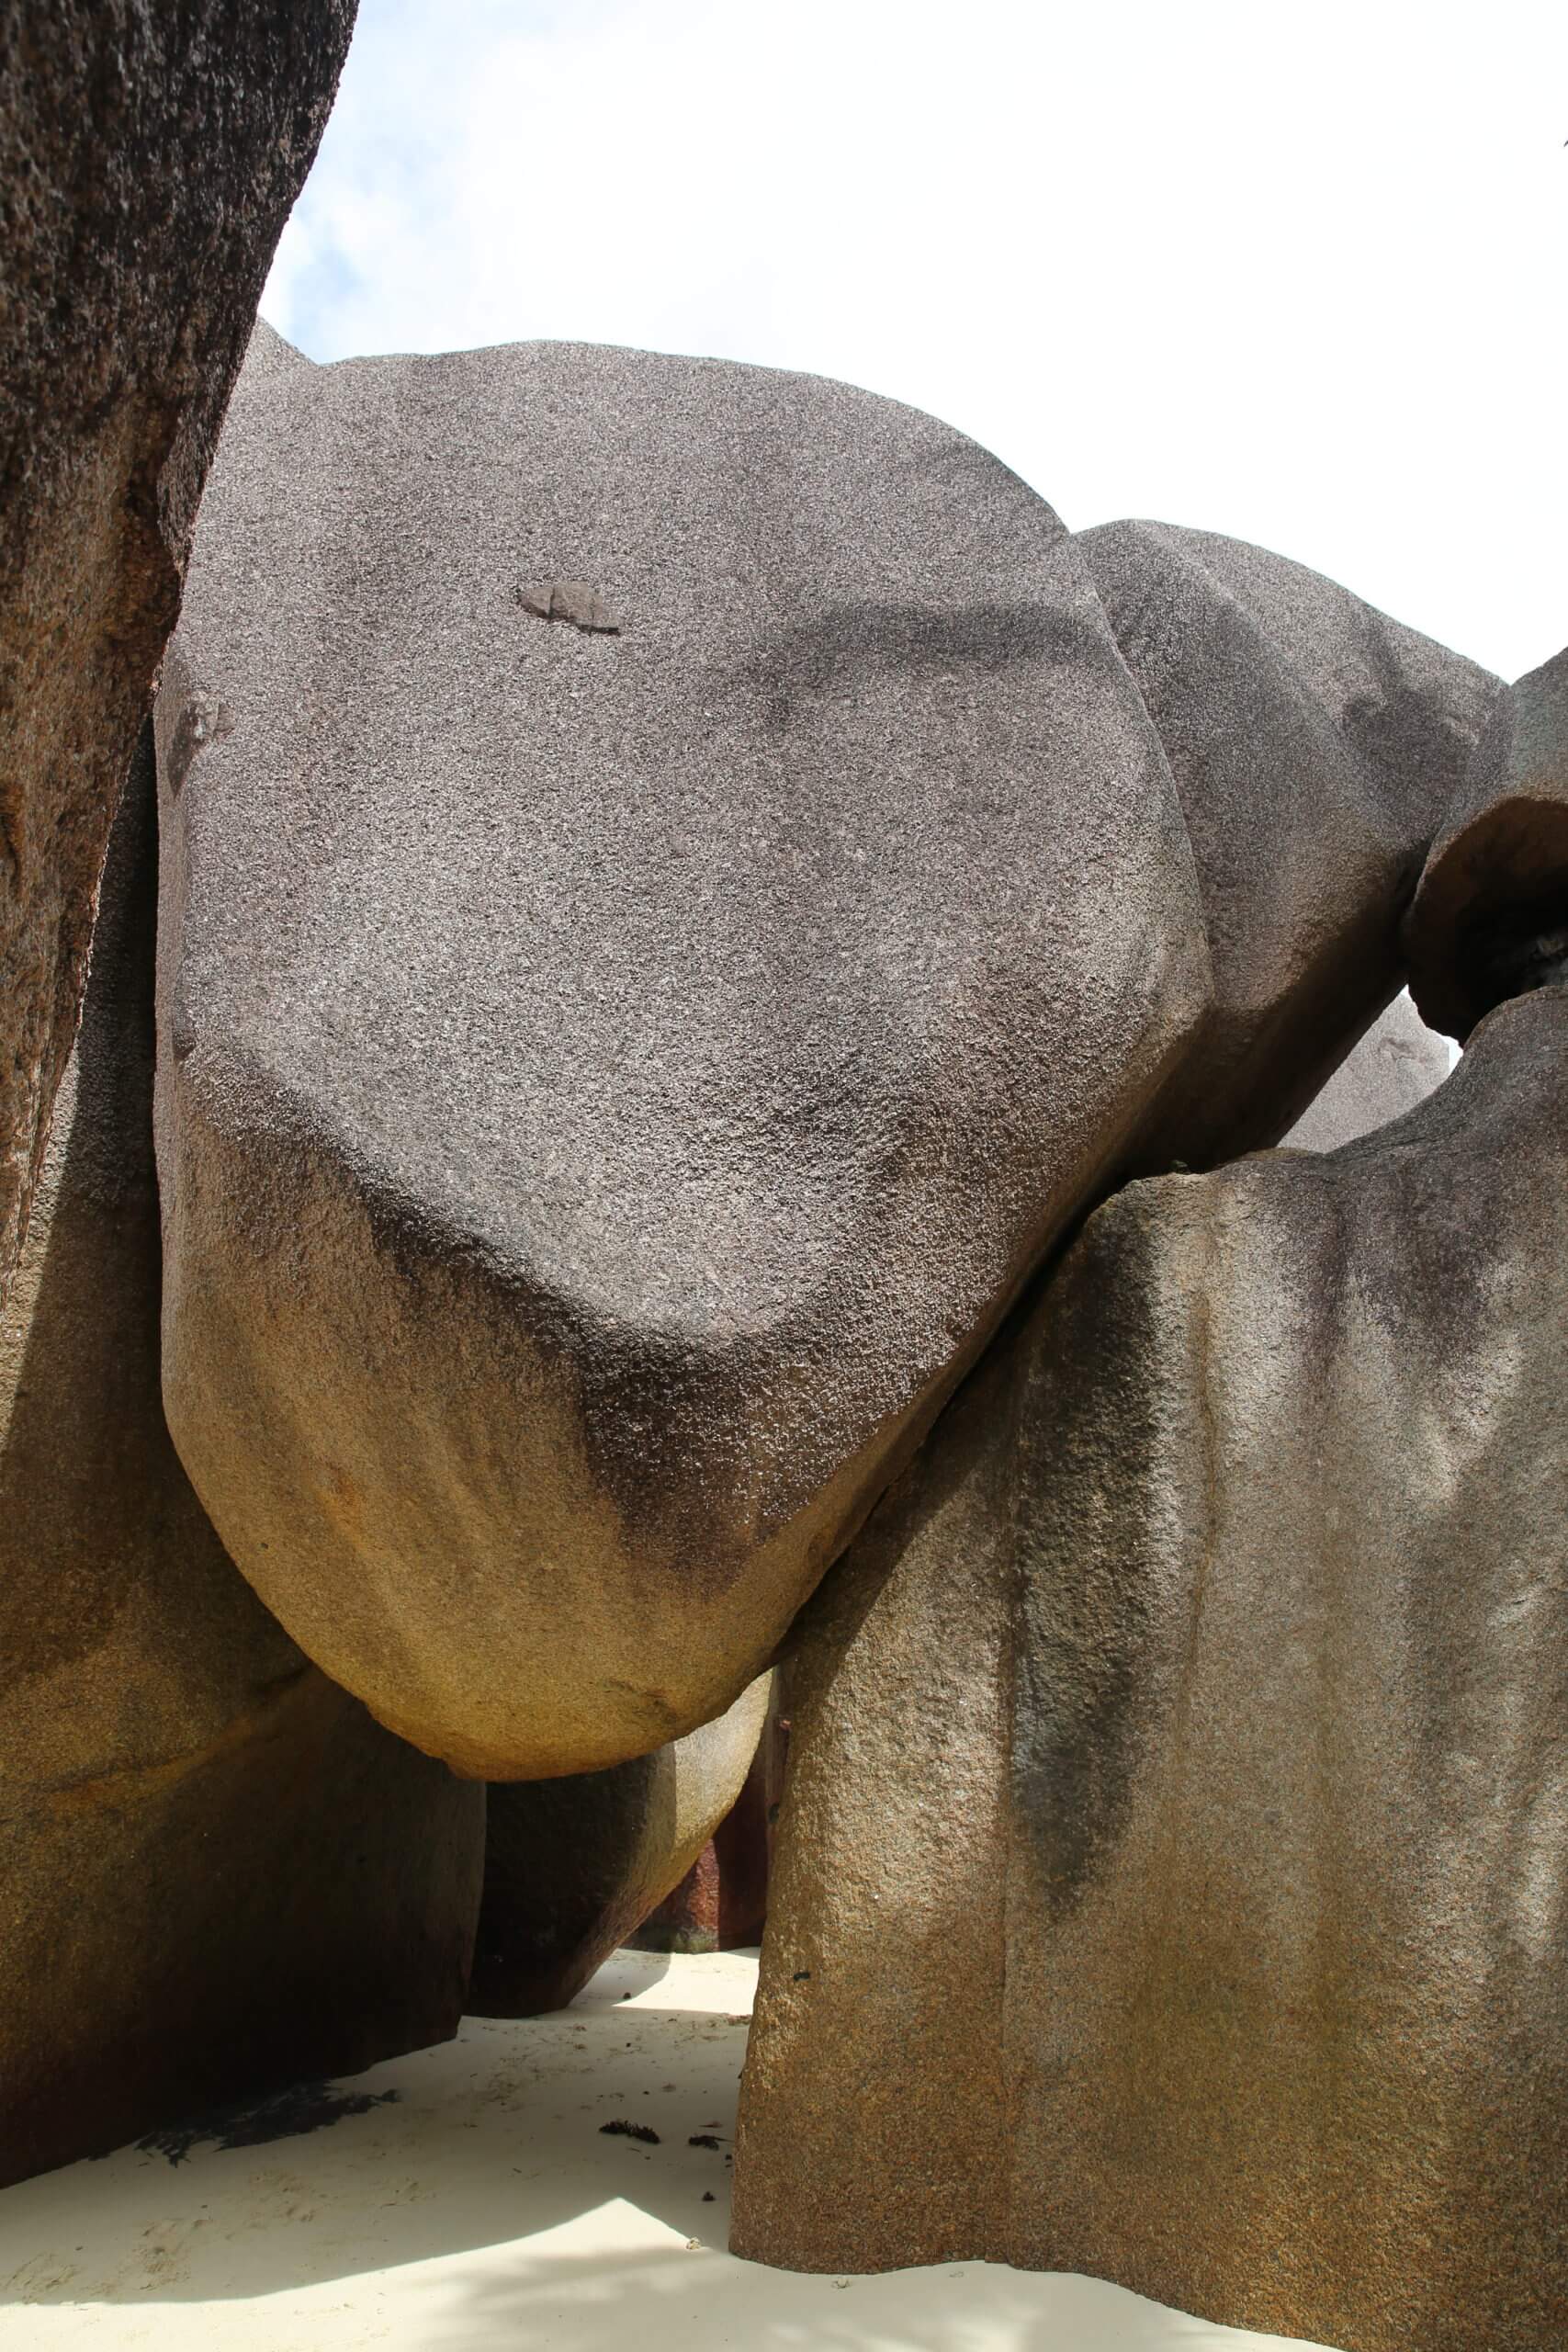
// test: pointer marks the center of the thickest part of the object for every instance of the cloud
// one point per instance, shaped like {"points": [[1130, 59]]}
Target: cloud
{"points": [[1290, 274]]}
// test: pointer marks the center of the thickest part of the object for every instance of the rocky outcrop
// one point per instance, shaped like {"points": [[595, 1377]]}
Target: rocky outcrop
{"points": [[148, 160], [617, 1078], [1216, 1946], [1396, 1065], [217, 1872], [573, 1865]]}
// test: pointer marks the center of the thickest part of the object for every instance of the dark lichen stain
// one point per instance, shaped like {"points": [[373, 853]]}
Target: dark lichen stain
{"points": [[287, 2115]]}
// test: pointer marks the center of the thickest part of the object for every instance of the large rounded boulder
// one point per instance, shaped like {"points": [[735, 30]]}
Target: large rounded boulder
{"points": [[675, 898]]}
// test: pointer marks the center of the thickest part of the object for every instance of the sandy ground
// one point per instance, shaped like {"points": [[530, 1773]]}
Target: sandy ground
{"points": [[464, 2199]]}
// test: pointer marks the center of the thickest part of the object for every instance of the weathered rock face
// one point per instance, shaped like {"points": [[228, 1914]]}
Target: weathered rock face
{"points": [[148, 160], [217, 1872], [721, 1905], [1217, 1946], [1396, 1065], [1491, 914], [627, 1047], [573, 1865]]}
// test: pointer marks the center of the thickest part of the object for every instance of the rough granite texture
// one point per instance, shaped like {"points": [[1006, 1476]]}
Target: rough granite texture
{"points": [[218, 1873], [573, 1866], [1491, 914], [615, 1085], [148, 160], [1394, 1066], [1215, 1943]]}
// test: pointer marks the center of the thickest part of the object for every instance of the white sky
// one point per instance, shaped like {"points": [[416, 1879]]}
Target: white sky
{"points": [[1296, 274]]}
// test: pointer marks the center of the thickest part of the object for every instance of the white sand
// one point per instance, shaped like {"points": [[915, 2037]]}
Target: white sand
{"points": [[483, 2208]]}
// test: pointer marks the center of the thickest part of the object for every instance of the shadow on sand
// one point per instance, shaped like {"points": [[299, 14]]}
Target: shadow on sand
{"points": [[475, 2201]]}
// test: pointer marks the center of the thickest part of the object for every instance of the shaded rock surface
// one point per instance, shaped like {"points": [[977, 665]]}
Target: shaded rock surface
{"points": [[217, 1872], [1395, 1066], [573, 1865], [1315, 744], [1216, 1947], [616, 1082], [1491, 913], [148, 160], [721, 1905]]}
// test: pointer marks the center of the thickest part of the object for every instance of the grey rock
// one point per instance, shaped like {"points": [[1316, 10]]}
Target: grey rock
{"points": [[1215, 1946], [218, 1873], [148, 160], [601, 1110], [1490, 917], [616, 1084], [1315, 744], [574, 1866], [1394, 1066]]}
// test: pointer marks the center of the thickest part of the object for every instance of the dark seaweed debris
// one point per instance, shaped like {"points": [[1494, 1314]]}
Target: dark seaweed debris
{"points": [[303, 2107], [626, 2130]]}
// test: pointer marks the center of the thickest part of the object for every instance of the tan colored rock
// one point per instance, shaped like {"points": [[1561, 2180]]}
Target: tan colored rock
{"points": [[1216, 1946], [572, 1866], [1491, 912], [218, 1873], [1395, 1066], [876, 2042], [615, 1085], [148, 160]]}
